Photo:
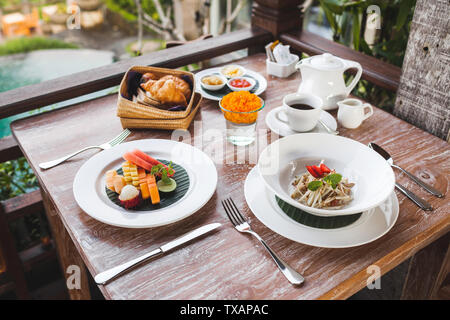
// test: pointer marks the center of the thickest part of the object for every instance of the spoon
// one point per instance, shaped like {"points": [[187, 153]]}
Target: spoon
{"points": [[419, 201], [389, 159], [328, 128]]}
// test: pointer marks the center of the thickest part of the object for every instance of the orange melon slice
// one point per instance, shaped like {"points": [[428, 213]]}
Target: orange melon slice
{"points": [[119, 183], [110, 174]]}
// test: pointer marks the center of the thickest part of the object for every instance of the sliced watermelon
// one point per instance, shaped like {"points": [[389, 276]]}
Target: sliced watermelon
{"points": [[145, 157], [129, 156], [142, 155]]}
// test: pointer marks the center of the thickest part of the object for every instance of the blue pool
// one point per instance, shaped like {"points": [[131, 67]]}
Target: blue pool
{"points": [[23, 69]]}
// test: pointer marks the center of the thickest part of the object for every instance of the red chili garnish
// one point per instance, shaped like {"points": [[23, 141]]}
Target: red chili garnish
{"points": [[313, 172], [318, 171], [324, 168]]}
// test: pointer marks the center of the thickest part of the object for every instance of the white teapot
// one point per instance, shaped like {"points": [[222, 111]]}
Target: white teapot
{"points": [[323, 76]]}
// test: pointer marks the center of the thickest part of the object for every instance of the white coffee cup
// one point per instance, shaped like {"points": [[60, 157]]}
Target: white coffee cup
{"points": [[300, 119], [352, 112]]}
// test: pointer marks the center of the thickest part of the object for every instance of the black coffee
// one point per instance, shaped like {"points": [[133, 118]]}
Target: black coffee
{"points": [[301, 106]]}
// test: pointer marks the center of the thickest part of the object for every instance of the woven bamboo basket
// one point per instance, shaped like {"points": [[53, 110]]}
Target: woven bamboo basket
{"points": [[127, 108], [164, 123]]}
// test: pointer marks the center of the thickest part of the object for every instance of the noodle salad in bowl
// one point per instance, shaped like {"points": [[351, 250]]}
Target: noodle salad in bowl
{"points": [[326, 175], [322, 187]]}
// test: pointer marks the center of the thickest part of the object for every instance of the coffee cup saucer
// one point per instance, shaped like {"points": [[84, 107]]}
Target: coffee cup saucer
{"points": [[284, 130]]}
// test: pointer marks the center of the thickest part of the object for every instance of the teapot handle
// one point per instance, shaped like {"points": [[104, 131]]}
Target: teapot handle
{"points": [[351, 65]]}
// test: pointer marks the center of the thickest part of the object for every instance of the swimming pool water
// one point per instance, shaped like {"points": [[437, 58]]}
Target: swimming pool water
{"points": [[20, 70]]}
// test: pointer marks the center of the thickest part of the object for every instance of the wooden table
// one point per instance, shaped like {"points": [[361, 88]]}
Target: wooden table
{"points": [[227, 264]]}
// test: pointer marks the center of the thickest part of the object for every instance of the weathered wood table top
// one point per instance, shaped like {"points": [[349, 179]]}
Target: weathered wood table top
{"points": [[226, 264]]}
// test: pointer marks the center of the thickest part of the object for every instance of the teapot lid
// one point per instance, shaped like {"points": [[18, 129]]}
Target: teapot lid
{"points": [[326, 61]]}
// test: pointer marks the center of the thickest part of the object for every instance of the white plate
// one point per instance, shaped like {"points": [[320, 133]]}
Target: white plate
{"points": [[372, 224], [89, 184], [262, 83], [287, 157], [284, 130]]}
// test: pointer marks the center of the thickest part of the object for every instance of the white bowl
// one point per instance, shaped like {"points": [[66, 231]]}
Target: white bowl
{"points": [[214, 87], [243, 71], [250, 80], [286, 158]]}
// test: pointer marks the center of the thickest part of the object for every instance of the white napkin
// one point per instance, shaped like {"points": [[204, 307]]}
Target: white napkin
{"points": [[282, 54]]}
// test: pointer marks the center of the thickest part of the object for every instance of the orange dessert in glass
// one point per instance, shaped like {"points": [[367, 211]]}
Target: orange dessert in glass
{"points": [[240, 109]]}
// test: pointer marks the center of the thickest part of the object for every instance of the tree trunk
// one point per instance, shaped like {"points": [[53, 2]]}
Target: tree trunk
{"points": [[423, 95]]}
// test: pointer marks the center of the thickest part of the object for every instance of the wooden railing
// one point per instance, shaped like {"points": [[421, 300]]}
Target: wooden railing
{"points": [[274, 19]]}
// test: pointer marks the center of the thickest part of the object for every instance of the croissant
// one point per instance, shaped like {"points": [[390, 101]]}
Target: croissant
{"points": [[164, 91], [148, 76], [147, 85], [180, 84]]}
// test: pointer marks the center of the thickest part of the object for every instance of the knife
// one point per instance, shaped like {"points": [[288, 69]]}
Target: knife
{"points": [[106, 276]]}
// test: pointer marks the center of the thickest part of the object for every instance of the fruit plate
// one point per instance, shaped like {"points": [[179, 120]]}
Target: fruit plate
{"points": [[90, 194]]}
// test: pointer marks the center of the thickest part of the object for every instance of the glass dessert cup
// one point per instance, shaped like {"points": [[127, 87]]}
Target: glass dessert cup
{"points": [[241, 126]]}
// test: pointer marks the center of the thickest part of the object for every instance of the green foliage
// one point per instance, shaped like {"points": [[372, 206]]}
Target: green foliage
{"points": [[22, 45], [6, 3], [347, 19], [132, 53], [127, 8], [16, 177]]}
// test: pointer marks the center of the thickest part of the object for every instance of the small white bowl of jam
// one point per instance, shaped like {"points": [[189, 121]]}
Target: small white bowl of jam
{"points": [[241, 84]]}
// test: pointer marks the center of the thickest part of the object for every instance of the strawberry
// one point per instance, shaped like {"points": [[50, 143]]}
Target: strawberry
{"points": [[324, 168]]}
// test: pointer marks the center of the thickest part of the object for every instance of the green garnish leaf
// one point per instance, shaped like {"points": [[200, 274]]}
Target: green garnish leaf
{"points": [[163, 171], [314, 185], [333, 179], [156, 169], [165, 179], [169, 169]]}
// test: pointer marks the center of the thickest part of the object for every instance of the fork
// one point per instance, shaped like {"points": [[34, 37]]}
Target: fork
{"points": [[115, 141], [241, 225]]}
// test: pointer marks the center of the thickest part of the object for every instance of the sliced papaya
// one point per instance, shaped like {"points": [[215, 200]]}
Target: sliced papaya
{"points": [[145, 193], [153, 189], [141, 174]]}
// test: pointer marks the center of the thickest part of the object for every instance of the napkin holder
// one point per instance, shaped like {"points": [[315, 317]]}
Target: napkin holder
{"points": [[281, 70]]}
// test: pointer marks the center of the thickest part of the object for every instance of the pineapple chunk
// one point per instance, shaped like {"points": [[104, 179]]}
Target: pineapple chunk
{"points": [[130, 172]]}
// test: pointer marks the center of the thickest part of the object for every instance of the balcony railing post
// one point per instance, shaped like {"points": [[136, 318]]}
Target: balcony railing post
{"points": [[13, 263], [277, 16]]}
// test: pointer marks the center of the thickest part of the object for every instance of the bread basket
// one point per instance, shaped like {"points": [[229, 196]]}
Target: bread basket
{"points": [[138, 115], [164, 123]]}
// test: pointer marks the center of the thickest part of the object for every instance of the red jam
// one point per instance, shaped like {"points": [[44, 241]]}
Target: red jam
{"points": [[240, 83]]}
